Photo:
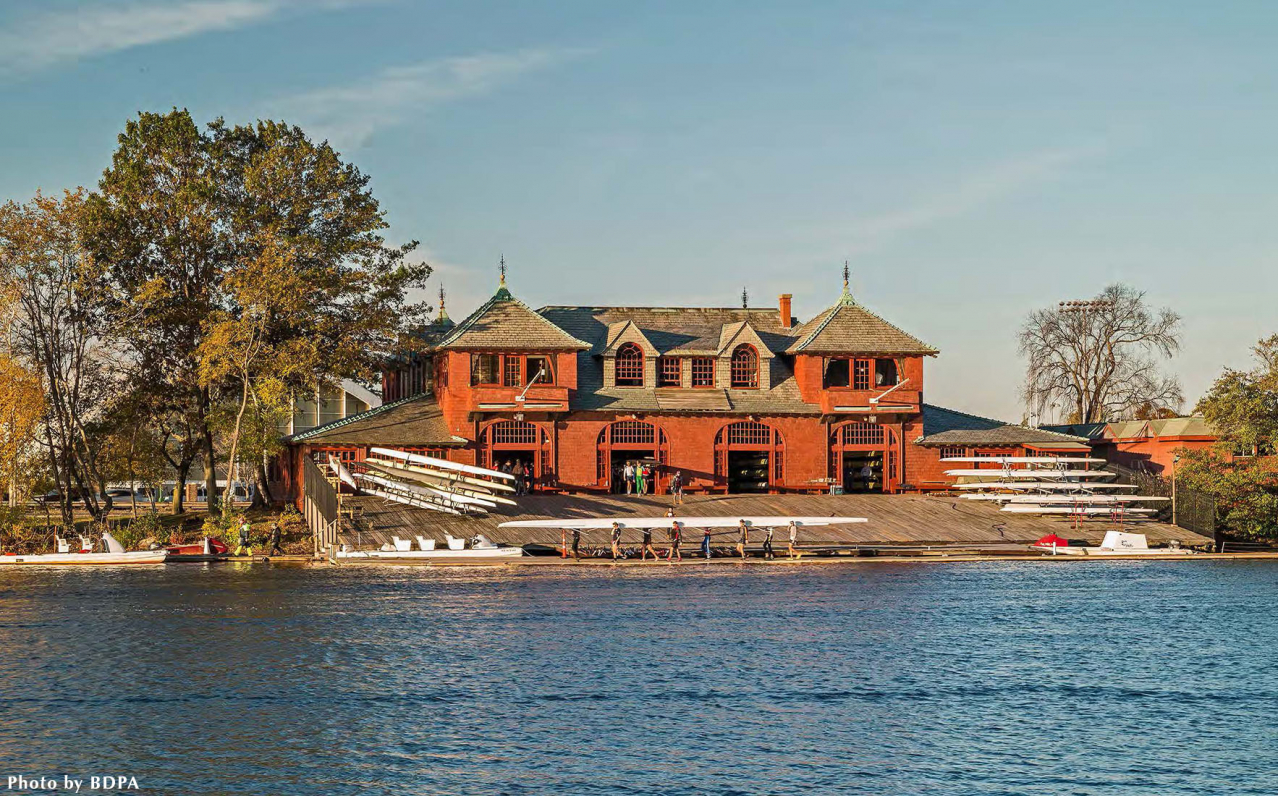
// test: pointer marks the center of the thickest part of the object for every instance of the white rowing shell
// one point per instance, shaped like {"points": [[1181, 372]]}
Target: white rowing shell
{"points": [[1106, 499], [992, 473], [420, 491], [444, 481], [1026, 459], [443, 475], [684, 522], [1055, 486], [339, 470], [440, 464], [1079, 510]]}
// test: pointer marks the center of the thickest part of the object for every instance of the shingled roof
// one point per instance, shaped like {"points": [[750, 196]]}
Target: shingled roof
{"points": [[848, 328], [947, 427], [505, 322], [411, 421]]}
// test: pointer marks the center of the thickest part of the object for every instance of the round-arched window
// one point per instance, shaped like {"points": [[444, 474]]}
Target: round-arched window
{"points": [[745, 366], [629, 366]]}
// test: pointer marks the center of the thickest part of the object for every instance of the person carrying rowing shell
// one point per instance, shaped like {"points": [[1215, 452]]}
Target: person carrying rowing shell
{"points": [[705, 543], [576, 542], [647, 546], [794, 537], [616, 540], [676, 536], [767, 543], [741, 538]]}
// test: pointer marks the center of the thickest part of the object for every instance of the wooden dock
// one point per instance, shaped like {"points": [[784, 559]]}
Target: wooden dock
{"points": [[895, 520]]}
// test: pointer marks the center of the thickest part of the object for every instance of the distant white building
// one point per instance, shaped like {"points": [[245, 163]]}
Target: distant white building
{"points": [[328, 405]]}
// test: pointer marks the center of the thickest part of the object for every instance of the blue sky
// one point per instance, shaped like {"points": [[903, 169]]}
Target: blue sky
{"points": [[972, 160]]}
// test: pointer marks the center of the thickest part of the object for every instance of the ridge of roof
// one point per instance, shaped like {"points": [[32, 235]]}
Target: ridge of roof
{"points": [[504, 296], [846, 302]]}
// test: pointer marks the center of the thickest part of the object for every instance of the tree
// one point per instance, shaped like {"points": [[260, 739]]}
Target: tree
{"points": [[21, 405], [1245, 489], [200, 228], [61, 329], [1242, 405], [1098, 357]]}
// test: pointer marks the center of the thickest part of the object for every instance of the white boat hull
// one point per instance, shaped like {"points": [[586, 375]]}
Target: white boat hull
{"points": [[480, 553], [85, 559]]}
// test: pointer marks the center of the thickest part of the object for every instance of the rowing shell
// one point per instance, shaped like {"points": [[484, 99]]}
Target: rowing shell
{"points": [[992, 473], [439, 464], [339, 470], [683, 522], [1026, 459], [1090, 510], [1055, 486], [1093, 499], [446, 477]]}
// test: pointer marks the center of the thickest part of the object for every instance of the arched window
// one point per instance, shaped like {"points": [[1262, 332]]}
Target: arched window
{"points": [[745, 366], [629, 366]]}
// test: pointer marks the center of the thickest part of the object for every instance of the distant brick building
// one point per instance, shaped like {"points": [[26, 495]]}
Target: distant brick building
{"points": [[736, 399]]}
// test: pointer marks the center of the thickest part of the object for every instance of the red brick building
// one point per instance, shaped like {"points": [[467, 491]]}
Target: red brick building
{"points": [[736, 399]]}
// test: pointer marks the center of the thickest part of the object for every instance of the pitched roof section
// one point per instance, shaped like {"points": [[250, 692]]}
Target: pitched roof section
{"points": [[411, 421], [849, 328], [947, 427], [505, 323], [683, 330]]}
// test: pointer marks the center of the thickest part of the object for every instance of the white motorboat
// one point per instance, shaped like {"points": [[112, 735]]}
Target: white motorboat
{"points": [[1115, 543], [114, 555], [481, 548]]}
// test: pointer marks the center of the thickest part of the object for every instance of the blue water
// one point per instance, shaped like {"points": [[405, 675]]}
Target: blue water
{"points": [[1000, 678]]}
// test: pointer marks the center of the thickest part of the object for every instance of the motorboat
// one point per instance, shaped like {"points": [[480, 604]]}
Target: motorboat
{"points": [[1115, 543], [114, 555], [481, 548]]}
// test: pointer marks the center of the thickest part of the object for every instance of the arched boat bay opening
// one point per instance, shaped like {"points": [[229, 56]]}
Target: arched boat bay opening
{"points": [[630, 441], [749, 457]]}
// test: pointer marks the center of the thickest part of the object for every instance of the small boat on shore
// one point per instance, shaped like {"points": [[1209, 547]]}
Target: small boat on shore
{"points": [[204, 550], [114, 555], [481, 548], [1115, 543]]}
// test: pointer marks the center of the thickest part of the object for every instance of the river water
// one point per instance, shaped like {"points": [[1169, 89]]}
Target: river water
{"points": [[999, 678]]}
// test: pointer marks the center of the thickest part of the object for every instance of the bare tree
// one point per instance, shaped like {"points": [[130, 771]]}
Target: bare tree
{"points": [[1099, 358]]}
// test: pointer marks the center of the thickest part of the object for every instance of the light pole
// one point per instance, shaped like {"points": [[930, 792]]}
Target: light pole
{"points": [[1175, 459]]}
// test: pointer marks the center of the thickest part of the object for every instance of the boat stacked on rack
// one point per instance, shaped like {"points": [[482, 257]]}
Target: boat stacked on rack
{"points": [[1052, 485], [426, 482]]}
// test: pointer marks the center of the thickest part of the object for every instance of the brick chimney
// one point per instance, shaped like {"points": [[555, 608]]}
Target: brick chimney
{"points": [[783, 303]]}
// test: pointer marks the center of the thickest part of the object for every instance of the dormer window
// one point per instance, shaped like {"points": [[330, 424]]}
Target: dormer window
{"points": [[669, 372], [745, 367], [629, 366]]}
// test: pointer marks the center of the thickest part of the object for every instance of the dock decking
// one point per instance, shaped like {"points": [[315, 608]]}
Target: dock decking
{"points": [[904, 520]]}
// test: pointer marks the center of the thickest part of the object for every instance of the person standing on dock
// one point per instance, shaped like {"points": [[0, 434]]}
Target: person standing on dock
{"points": [[676, 537], [741, 539], [794, 537], [767, 544], [245, 547], [629, 475], [676, 487], [275, 540], [616, 540], [641, 484], [647, 546]]}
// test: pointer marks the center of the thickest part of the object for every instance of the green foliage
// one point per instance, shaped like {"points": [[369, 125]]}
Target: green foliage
{"points": [[1242, 406], [132, 533], [1245, 489], [223, 526]]}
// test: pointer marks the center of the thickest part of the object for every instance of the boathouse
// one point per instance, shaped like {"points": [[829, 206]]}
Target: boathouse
{"points": [[737, 400]]}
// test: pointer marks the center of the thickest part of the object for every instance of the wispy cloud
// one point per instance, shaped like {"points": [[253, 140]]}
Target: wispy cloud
{"points": [[99, 28], [984, 188], [349, 114]]}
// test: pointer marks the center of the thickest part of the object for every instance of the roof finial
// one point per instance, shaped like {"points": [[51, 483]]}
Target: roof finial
{"points": [[745, 299], [503, 270], [846, 275], [846, 298], [443, 313]]}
